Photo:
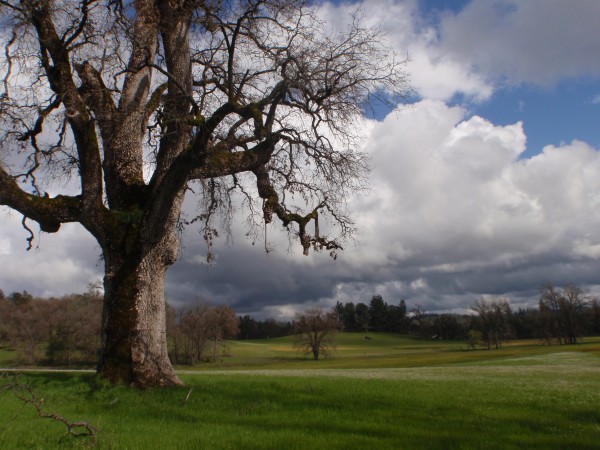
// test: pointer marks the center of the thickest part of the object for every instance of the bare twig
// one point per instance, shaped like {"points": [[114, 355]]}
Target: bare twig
{"points": [[31, 236], [187, 397]]}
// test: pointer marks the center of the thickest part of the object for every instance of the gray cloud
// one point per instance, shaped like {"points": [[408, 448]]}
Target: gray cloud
{"points": [[538, 41], [58, 264]]}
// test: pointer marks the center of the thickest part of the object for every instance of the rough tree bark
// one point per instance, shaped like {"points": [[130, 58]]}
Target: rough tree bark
{"points": [[140, 98]]}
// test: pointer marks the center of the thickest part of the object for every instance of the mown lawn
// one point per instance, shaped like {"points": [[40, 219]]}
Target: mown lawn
{"points": [[530, 396]]}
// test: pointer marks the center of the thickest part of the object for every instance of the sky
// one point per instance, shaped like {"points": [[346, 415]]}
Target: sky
{"points": [[485, 183]]}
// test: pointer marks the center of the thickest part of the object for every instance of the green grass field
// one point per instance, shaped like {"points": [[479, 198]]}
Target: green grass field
{"points": [[386, 392], [381, 350]]}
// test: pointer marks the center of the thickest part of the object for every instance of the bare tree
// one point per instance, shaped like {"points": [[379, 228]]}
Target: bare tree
{"points": [[194, 331], [223, 324], [419, 321], [73, 324], [26, 325], [494, 320], [68, 328], [251, 100], [561, 312], [315, 332]]}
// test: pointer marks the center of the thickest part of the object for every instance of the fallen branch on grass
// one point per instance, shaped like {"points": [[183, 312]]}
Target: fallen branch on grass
{"points": [[26, 394]]}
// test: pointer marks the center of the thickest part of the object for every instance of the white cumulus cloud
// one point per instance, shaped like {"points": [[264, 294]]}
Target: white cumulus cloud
{"points": [[453, 201], [434, 74]]}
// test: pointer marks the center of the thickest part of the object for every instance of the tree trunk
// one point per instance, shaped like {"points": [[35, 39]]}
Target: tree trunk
{"points": [[134, 347]]}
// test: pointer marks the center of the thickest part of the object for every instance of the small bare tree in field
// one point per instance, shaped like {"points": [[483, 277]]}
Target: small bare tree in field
{"points": [[252, 104], [494, 320], [224, 324], [200, 328], [561, 312], [315, 332]]}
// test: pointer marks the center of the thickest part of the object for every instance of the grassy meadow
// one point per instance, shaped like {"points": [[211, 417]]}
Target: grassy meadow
{"points": [[385, 392]]}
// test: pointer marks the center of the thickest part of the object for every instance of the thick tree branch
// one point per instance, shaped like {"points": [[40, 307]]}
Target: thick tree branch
{"points": [[225, 162], [99, 98], [61, 81], [50, 213], [179, 104], [156, 99], [272, 205], [123, 153]]}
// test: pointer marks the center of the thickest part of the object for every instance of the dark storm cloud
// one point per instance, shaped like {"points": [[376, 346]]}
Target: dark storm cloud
{"points": [[246, 278]]}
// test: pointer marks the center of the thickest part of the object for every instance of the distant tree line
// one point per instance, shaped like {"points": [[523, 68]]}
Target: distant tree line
{"points": [[251, 328], [58, 331], [376, 316], [65, 331], [563, 316]]}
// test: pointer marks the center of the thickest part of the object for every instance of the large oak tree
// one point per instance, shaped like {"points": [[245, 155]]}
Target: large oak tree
{"points": [[251, 100]]}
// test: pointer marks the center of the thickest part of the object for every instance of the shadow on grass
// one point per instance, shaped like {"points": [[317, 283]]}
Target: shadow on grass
{"points": [[241, 411]]}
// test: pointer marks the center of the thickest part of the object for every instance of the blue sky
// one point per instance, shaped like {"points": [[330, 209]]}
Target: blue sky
{"points": [[551, 115], [486, 184], [555, 112], [427, 7]]}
